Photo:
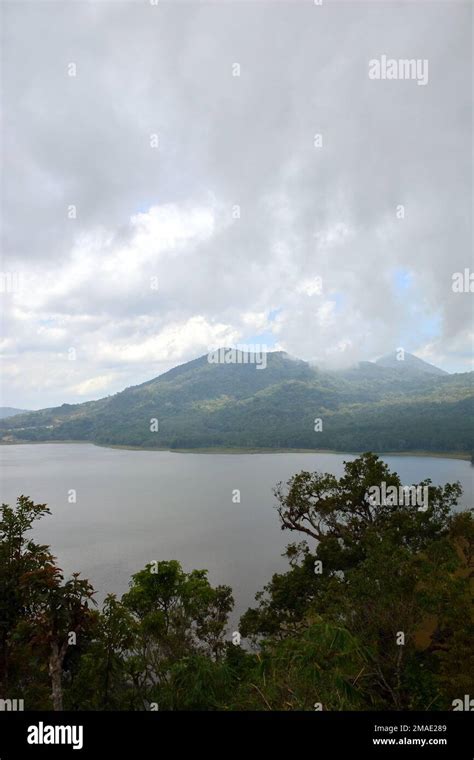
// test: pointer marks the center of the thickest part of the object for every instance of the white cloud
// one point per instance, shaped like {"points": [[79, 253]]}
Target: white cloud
{"points": [[93, 385], [166, 213], [174, 342]]}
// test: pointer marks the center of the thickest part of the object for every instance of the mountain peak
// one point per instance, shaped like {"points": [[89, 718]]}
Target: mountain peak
{"points": [[409, 362]]}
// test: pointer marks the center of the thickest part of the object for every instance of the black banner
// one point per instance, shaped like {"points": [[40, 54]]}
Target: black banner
{"points": [[374, 734]]}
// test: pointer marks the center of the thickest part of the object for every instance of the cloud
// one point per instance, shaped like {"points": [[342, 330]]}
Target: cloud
{"points": [[203, 203], [93, 385]]}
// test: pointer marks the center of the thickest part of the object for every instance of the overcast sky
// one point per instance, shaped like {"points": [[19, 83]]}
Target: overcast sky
{"points": [[159, 146]]}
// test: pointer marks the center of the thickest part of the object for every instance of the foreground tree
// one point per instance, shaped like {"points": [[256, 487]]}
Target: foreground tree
{"points": [[58, 614], [384, 572], [19, 555], [100, 678], [40, 615], [178, 615]]}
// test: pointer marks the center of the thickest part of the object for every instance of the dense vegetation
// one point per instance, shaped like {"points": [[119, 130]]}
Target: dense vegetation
{"points": [[199, 405], [375, 612]]}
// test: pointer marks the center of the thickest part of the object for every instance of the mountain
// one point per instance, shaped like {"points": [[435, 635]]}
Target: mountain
{"points": [[10, 411], [201, 404], [409, 363]]}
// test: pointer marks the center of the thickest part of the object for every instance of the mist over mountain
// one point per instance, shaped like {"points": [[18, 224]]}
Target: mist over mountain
{"points": [[409, 406]]}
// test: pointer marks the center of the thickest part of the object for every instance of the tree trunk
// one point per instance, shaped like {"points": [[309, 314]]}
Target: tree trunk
{"points": [[56, 658], [4, 669]]}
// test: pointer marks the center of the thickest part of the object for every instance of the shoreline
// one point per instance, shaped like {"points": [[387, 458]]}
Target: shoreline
{"points": [[461, 455]]}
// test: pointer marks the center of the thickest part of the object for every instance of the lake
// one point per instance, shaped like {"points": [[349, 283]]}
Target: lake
{"points": [[137, 506]]}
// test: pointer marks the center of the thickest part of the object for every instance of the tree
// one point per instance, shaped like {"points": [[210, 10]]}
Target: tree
{"points": [[58, 613], [38, 611], [178, 615], [19, 556], [385, 574], [100, 678], [337, 513]]}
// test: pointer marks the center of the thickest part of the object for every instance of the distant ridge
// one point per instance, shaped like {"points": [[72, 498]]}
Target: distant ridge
{"points": [[10, 411]]}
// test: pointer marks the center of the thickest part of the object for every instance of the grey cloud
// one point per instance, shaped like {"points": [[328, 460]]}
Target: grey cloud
{"points": [[244, 140]]}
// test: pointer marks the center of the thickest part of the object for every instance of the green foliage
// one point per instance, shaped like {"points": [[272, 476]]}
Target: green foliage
{"points": [[317, 669], [38, 611], [390, 571]]}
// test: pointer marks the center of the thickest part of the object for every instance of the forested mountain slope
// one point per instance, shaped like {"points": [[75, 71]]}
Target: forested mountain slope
{"points": [[407, 406]]}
